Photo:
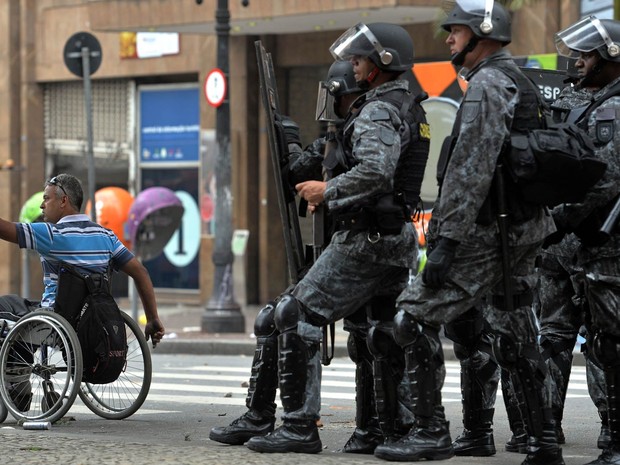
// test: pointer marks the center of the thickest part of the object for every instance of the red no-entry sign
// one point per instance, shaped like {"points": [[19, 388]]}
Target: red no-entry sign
{"points": [[215, 87]]}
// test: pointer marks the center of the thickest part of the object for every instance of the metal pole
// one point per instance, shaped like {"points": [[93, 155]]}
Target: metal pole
{"points": [[89, 130], [222, 313]]}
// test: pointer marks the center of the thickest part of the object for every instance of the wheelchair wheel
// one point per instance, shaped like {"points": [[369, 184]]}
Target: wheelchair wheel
{"points": [[40, 361], [123, 397]]}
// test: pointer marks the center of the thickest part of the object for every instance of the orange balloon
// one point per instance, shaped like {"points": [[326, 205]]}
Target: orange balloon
{"points": [[112, 206]]}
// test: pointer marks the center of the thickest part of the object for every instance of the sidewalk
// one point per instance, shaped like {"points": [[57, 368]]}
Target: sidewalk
{"points": [[184, 335]]}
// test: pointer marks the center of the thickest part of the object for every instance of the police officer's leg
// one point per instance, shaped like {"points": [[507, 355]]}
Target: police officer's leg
{"points": [[479, 379], [560, 320], [393, 397], [595, 379], [260, 401], [367, 434], [516, 350], [299, 382], [606, 349], [430, 436], [518, 440]]}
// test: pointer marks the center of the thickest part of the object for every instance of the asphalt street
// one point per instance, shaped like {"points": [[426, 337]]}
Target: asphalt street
{"points": [[200, 381], [191, 393]]}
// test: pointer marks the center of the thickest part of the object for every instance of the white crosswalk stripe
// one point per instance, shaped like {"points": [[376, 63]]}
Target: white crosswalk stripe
{"points": [[227, 385]]}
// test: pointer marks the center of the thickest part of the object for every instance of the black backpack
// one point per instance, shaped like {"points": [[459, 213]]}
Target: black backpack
{"points": [[549, 163], [85, 301]]}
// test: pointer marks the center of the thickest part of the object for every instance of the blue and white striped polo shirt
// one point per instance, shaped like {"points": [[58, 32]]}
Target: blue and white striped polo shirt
{"points": [[76, 240]]}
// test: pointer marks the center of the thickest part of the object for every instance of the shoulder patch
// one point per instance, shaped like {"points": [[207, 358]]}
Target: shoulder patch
{"points": [[604, 127], [473, 94], [425, 131], [380, 115]]}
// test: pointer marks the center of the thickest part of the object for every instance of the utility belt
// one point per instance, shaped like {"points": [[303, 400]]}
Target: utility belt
{"points": [[375, 222]]}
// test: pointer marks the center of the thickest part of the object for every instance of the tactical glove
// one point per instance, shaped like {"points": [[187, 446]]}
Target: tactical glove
{"points": [[291, 131], [438, 262]]}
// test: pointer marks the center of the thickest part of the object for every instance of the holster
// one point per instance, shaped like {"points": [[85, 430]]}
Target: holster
{"points": [[386, 217]]}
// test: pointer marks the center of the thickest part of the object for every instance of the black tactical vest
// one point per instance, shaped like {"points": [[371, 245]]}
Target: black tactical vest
{"points": [[415, 145], [528, 115]]}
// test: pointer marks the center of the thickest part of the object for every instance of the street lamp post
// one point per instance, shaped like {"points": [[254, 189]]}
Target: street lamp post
{"points": [[222, 314]]}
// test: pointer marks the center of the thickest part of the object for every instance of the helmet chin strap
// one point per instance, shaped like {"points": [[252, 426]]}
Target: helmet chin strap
{"points": [[459, 58], [365, 84]]}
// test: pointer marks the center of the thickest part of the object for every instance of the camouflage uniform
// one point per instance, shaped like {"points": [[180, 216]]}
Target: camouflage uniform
{"points": [[365, 258], [600, 264], [352, 269], [383, 401], [486, 115]]}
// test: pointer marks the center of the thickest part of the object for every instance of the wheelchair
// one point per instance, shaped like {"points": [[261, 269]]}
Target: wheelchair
{"points": [[41, 369]]}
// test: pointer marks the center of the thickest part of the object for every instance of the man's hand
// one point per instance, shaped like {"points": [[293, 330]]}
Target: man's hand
{"points": [[154, 330], [312, 191], [438, 262]]}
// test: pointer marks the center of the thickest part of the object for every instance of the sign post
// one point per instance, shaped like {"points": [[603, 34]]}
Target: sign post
{"points": [[222, 314], [82, 55]]}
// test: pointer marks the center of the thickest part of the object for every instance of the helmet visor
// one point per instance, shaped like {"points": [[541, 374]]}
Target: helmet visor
{"points": [[358, 41], [583, 36], [325, 104]]}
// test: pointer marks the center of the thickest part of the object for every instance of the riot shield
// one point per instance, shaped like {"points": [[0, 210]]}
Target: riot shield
{"points": [[279, 153]]}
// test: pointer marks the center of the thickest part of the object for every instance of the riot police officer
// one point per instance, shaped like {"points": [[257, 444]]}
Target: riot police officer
{"points": [[596, 45], [385, 147], [336, 95], [467, 264]]}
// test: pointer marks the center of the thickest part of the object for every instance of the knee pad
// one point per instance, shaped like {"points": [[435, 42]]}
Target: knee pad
{"points": [[287, 313], [265, 325], [358, 349], [406, 329], [380, 343], [506, 350], [606, 349]]}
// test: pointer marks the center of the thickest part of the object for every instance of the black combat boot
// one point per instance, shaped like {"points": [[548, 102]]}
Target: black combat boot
{"points": [[248, 425], [428, 439], [260, 417], [476, 440], [295, 435], [544, 450], [364, 440]]}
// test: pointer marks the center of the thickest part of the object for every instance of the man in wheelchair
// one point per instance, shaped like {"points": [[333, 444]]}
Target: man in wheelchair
{"points": [[67, 236]]}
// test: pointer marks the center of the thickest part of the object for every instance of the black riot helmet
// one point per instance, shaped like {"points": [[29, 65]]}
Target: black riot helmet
{"points": [[588, 35], [486, 19], [388, 46], [340, 81]]}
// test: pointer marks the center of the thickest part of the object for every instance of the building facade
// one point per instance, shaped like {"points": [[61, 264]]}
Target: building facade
{"points": [[153, 126]]}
